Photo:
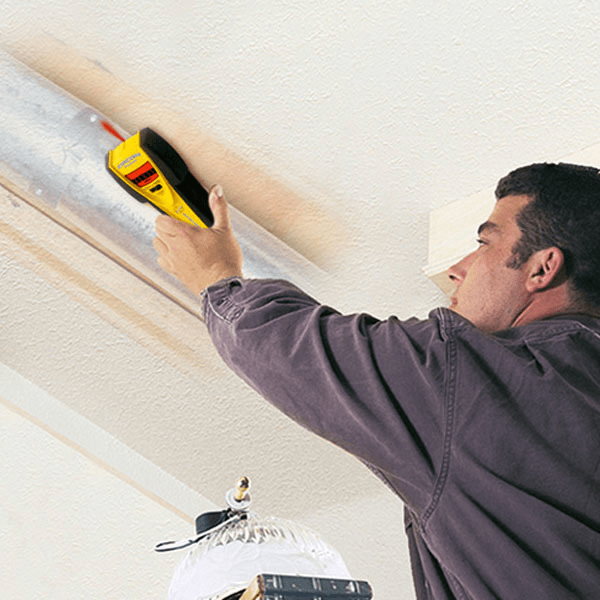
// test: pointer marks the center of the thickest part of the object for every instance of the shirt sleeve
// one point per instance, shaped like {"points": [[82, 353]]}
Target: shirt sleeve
{"points": [[374, 388]]}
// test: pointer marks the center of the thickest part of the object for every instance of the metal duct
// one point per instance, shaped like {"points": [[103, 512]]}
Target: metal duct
{"points": [[52, 152]]}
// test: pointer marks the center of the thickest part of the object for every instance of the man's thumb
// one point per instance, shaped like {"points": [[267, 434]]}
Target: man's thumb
{"points": [[218, 206]]}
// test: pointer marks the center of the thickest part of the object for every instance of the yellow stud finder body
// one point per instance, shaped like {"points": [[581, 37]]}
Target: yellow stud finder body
{"points": [[150, 169]]}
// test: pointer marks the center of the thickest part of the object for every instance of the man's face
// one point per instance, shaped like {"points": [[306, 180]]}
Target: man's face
{"points": [[488, 293]]}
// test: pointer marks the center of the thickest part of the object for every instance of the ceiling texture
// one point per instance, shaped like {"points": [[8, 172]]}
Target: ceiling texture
{"points": [[341, 128]]}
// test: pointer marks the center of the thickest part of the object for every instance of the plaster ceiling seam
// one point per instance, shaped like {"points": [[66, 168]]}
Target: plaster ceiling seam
{"points": [[17, 194], [160, 487], [113, 306]]}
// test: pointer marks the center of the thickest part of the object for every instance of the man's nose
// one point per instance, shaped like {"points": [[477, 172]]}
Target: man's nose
{"points": [[458, 271]]}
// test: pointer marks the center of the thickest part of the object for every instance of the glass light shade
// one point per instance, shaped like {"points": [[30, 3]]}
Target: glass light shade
{"points": [[227, 560]]}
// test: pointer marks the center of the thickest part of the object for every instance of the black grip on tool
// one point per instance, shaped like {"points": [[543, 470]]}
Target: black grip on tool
{"points": [[177, 173]]}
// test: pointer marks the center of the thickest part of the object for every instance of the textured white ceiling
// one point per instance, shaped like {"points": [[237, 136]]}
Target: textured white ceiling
{"points": [[370, 116], [67, 524]]}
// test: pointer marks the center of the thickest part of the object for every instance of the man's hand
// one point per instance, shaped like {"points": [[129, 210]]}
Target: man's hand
{"points": [[199, 257]]}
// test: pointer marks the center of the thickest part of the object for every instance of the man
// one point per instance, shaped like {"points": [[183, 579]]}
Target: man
{"points": [[484, 418]]}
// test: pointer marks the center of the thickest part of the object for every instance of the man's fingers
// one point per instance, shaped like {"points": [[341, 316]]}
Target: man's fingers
{"points": [[165, 264], [218, 206], [159, 245], [167, 225]]}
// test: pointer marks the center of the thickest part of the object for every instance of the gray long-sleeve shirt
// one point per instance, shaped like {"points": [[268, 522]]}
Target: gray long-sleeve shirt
{"points": [[492, 441]]}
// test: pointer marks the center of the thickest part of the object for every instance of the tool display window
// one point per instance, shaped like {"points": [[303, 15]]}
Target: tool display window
{"points": [[143, 176]]}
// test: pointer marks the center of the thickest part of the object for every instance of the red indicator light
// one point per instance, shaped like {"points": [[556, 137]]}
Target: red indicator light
{"points": [[112, 130]]}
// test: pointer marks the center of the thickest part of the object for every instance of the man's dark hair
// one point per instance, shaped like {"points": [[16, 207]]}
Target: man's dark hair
{"points": [[564, 212]]}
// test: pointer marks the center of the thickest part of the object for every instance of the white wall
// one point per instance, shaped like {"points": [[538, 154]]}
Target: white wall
{"points": [[72, 524]]}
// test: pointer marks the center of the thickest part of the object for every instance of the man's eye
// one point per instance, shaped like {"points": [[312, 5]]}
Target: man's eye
{"points": [[481, 242]]}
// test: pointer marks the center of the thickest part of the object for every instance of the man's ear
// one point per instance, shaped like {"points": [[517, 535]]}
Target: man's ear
{"points": [[545, 269]]}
